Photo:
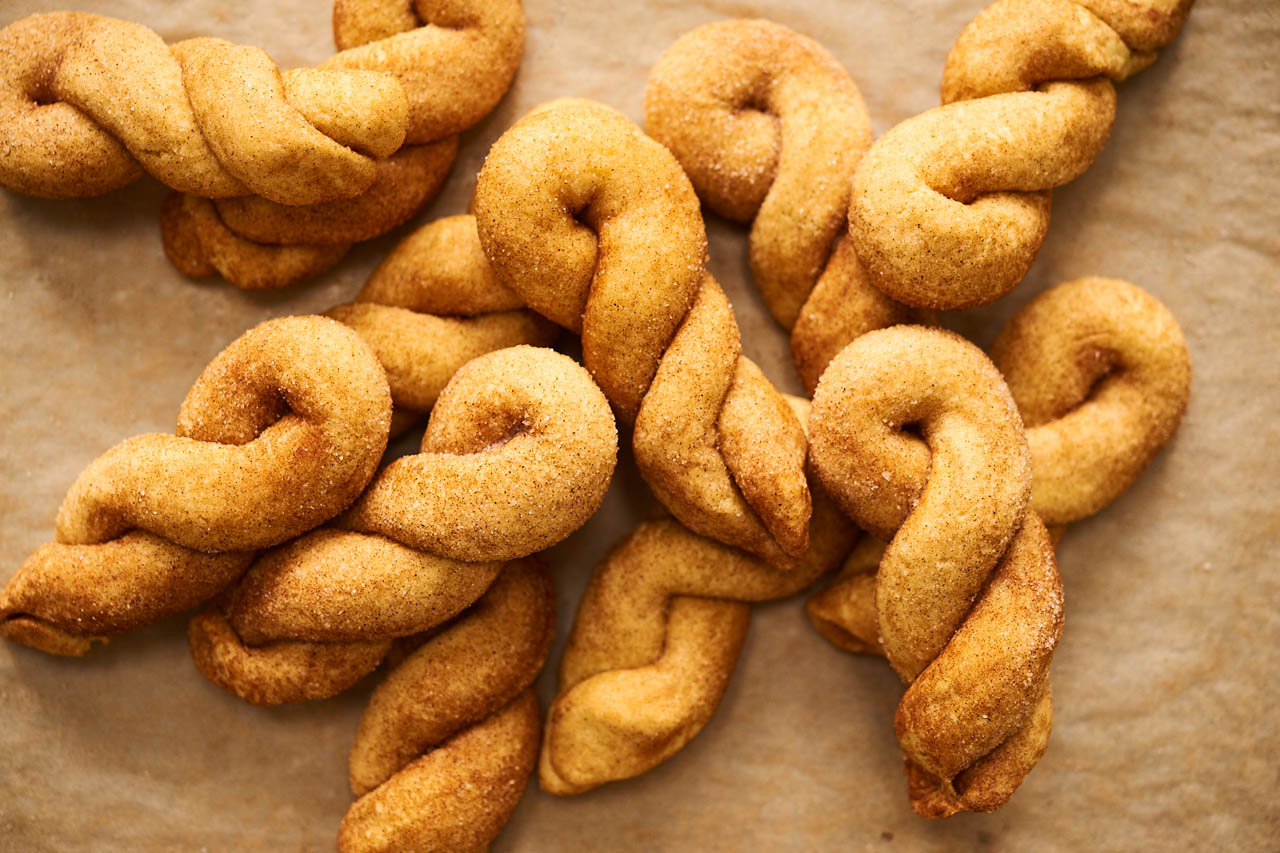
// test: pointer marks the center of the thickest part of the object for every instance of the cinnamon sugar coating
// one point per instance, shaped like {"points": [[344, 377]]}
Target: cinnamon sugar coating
{"points": [[281, 432], [916, 436], [517, 455], [950, 207], [596, 227], [87, 103], [770, 128]]}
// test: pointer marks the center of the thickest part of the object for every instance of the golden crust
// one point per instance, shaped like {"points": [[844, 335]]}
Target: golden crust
{"points": [[82, 96], [598, 229], [517, 455], [770, 128], [1101, 374], [917, 437], [950, 207], [281, 432]]}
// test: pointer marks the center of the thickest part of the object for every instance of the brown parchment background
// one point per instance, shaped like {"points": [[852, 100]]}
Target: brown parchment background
{"points": [[1165, 731]]}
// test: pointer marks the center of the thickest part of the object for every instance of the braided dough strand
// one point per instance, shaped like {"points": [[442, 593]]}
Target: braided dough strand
{"points": [[968, 599], [464, 699], [280, 433], [770, 128], [517, 455], [88, 102], [950, 207], [596, 227]]}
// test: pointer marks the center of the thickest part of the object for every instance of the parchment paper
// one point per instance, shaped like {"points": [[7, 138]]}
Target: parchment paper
{"points": [[1165, 731]]}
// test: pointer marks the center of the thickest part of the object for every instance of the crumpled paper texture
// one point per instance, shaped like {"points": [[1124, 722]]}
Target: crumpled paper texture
{"points": [[1165, 731]]}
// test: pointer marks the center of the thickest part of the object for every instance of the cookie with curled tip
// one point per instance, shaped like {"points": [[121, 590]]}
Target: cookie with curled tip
{"points": [[654, 643], [87, 103], [950, 207], [281, 432], [917, 438], [769, 128], [1101, 375], [450, 737], [517, 455], [433, 305], [597, 228]]}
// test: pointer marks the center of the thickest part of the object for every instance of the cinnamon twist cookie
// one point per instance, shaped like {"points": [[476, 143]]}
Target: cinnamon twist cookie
{"points": [[770, 128], [281, 432], [87, 103], [917, 438], [950, 207], [1101, 375], [656, 638], [517, 455], [450, 737], [455, 60], [597, 228]]}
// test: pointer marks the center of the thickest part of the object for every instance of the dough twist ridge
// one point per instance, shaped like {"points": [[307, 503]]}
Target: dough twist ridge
{"points": [[917, 438], [517, 455], [950, 207], [1101, 375], [455, 60], [87, 103], [598, 229], [655, 641], [450, 737], [770, 128], [281, 432]]}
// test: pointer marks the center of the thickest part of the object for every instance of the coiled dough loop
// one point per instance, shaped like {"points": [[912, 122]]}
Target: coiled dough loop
{"points": [[950, 207], [281, 432]]}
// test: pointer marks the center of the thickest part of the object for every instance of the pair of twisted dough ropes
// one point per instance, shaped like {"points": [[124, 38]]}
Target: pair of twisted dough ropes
{"points": [[517, 455], [655, 640], [770, 128], [455, 59], [464, 698], [281, 432], [597, 228], [950, 207], [1101, 375], [916, 436]]}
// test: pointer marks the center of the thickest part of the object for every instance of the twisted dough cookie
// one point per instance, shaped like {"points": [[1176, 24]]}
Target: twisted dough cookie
{"points": [[950, 207], [449, 739], [654, 643], [769, 127], [597, 228], [517, 455], [455, 60], [87, 103], [917, 438], [1101, 375], [281, 432]]}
